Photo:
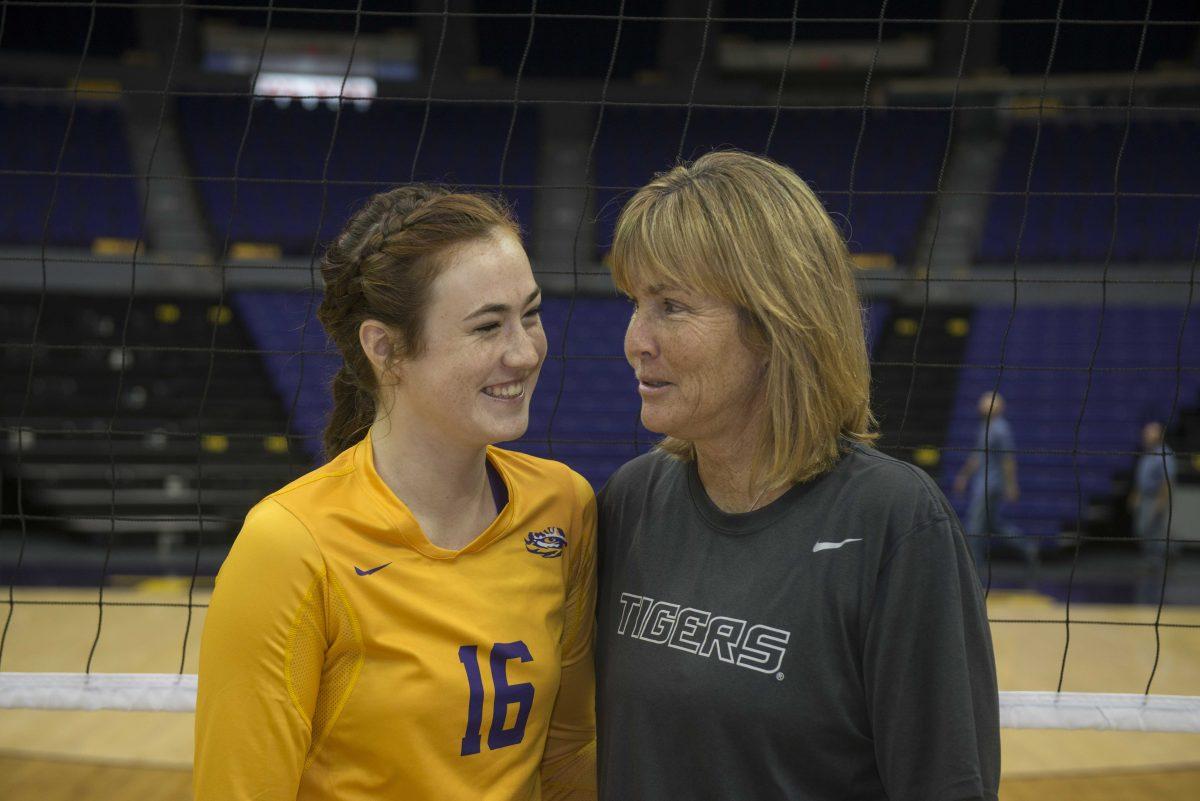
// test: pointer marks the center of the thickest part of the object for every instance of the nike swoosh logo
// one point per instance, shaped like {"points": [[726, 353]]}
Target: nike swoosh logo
{"points": [[362, 572], [829, 546]]}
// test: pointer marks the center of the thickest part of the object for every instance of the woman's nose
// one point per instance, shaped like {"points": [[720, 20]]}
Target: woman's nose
{"points": [[639, 340], [523, 351]]}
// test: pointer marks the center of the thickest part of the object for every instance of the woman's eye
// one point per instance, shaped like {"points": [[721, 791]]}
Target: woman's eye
{"points": [[484, 329], [670, 307], [534, 312]]}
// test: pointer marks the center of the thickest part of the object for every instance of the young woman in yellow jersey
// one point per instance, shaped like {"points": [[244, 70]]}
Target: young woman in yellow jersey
{"points": [[414, 619]]}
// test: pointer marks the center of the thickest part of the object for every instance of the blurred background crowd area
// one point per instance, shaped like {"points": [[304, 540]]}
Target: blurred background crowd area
{"points": [[1018, 182]]}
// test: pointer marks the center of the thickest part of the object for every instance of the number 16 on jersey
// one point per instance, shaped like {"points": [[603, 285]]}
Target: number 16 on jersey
{"points": [[505, 695]]}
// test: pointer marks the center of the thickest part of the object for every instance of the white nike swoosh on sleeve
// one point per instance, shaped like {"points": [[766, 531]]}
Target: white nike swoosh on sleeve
{"points": [[829, 546]]}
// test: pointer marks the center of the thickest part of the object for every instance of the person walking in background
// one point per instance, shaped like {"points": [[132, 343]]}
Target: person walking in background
{"points": [[1149, 503], [992, 487]]}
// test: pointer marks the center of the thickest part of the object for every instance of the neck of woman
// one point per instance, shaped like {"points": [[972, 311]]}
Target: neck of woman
{"points": [[435, 479], [729, 472]]}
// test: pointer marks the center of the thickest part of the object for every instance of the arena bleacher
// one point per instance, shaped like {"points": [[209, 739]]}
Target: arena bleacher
{"points": [[1017, 182], [55, 162], [103, 376], [898, 152], [1077, 397], [1071, 216], [301, 182]]}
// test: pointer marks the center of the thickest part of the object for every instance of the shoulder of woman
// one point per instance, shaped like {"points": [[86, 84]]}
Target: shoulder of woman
{"points": [[274, 551], [273, 524], [639, 475], [892, 486], [534, 468]]}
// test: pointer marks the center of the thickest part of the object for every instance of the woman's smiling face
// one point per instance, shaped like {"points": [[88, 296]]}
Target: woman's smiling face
{"points": [[483, 346], [697, 377]]}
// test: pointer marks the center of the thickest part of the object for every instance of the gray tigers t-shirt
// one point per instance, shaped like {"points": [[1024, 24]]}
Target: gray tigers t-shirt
{"points": [[832, 645]]}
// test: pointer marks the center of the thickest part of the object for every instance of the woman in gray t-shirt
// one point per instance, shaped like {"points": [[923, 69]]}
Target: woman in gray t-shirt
{"points": [[784, 612]]}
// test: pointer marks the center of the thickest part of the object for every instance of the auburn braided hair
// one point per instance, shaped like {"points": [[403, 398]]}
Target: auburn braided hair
{"points": [[381, 267]]}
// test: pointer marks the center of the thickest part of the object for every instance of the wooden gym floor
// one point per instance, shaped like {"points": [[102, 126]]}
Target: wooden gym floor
{"points": [[112, 756]]}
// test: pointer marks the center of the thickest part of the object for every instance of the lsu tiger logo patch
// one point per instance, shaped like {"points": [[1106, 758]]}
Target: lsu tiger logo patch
{"points": [[547, 543]]}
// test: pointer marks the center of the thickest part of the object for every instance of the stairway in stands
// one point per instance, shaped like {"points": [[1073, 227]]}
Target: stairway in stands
{"points": [[133, 445], [913, 403]]}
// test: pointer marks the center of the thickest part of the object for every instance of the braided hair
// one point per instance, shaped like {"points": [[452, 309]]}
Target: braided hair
{"points": [[381, 267]]}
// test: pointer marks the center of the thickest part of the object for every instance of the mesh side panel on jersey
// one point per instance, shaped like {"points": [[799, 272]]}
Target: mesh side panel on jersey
{"points": [[342, 663], [574, 617], [305, 656], [324, 646], [574, 777]]}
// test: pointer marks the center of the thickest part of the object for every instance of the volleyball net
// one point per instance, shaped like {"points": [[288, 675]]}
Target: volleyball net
{"points": [[1019, 190]]}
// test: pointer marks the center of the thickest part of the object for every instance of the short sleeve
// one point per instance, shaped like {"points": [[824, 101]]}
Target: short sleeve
{"points": [[929, 672], [260, 662]]}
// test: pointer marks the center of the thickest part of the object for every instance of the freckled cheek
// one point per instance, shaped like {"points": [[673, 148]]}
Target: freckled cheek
{"points": [[684, 352], [471, 372], [716, 378]]}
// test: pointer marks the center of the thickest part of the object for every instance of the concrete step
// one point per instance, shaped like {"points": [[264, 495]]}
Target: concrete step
{"points": [[174, 222]]}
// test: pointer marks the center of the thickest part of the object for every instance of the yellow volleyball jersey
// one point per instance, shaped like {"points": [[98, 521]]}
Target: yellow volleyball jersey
{"points": [[346, 657]]}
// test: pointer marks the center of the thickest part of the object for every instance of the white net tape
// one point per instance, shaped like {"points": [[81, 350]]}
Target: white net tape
{"points": [[168, 692], [130, 692], [1112, 711]]}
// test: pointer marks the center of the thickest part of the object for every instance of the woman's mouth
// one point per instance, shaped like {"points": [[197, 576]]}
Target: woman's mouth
{"points": [[649, 387], [513, 390]]}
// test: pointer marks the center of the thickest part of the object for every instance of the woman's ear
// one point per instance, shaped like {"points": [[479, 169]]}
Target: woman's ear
{"points": [[378, 343]]}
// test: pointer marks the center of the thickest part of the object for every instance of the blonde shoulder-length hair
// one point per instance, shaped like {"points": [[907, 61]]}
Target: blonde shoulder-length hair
{"points": [[748, 230]]}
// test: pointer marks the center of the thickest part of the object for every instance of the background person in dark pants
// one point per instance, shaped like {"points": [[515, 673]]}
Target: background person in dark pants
{"points": [[1149, 503], [991, 473]]}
